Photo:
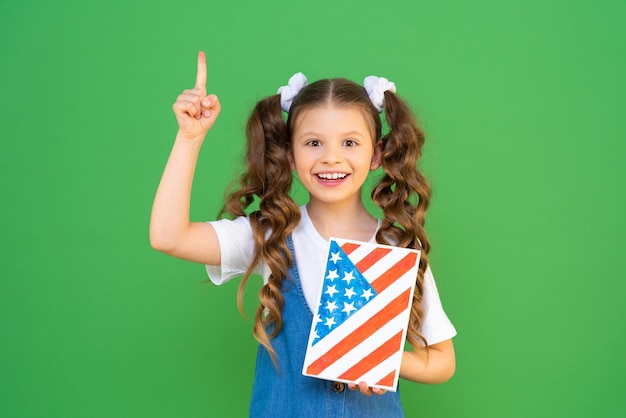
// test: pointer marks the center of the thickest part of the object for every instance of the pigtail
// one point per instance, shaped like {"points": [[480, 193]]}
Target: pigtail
{"points": [[267, 178], [403, 193]]}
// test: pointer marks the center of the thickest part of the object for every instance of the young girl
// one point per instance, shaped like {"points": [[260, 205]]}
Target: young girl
{"points": [[332, 139]]}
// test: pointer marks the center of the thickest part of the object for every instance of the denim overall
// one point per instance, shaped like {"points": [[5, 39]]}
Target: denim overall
{"points": [[286, 392]]}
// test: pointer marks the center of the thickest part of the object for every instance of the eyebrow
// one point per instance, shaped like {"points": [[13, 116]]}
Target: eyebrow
{"points": [[317, 134]]}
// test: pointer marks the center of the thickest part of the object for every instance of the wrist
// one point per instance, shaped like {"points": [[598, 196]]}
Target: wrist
{"points": [[191, 141]]}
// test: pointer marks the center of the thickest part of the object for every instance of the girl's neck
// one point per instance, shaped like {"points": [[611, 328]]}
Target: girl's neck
{"points": [[349, 221]]}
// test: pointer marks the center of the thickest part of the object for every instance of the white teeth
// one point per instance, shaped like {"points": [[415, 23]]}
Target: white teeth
{"points": [[332, 176]]}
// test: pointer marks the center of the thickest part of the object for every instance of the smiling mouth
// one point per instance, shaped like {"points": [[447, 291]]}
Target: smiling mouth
{"points": [[332, 176]]}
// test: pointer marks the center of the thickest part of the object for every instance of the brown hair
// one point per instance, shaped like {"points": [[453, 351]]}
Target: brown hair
{"points": [[402, 192]]}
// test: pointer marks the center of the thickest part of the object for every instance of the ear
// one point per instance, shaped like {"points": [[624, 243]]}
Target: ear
{"points": [[292, 161], [377, 158]]}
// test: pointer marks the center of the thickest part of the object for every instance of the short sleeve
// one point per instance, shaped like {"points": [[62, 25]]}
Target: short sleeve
{"points": [[236, 250], [436, 326]]}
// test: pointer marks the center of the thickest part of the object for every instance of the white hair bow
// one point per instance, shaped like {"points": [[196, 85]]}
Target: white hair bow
{"points": [[376, 88], [291, 90]]}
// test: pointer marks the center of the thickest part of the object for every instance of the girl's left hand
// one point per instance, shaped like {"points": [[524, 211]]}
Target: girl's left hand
{"points": [[365, 389]]}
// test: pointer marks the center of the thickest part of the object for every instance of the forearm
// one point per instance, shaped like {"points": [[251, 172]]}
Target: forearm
{"points": [[436, 367], [170, 228], [169, 221]]}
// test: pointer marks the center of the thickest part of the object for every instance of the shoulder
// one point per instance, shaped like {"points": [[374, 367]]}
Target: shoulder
{"points": [[236, 248], [233, 233], [239, 220]]}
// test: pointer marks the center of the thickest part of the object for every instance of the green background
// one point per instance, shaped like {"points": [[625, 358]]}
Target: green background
{"points": [[523, 105]]}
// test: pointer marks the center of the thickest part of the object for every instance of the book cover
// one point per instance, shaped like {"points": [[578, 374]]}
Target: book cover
{"points": [[361, 319]]}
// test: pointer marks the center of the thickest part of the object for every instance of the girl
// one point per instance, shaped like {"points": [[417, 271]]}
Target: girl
{"points": [[332, 139]]}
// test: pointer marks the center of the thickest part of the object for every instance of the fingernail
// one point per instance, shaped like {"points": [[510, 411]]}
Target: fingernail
{"points": [[206, 102], [206, 113]]}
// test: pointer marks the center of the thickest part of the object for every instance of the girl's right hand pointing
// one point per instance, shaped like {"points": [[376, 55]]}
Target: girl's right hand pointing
{"points": [[195, 111]]}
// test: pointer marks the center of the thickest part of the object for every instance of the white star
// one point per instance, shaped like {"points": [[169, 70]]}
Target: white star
{"points": [[334, 257], [331, 306], [348, 308], [348, 277], [331, 290], [315, 336], [367, 294], [330, 322], [349, 292], [318, 318], [332, 275]]}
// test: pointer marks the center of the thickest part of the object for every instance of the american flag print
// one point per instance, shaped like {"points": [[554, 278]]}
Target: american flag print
{"points": [[363, 310]]}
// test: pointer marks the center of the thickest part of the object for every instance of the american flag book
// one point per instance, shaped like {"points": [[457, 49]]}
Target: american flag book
{"points": [[361, 319]]}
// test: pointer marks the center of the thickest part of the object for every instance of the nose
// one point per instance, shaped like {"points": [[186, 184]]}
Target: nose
{"points": [[332, 155]]}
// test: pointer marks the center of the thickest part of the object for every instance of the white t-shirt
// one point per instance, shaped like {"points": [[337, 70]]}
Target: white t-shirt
{"points": [[237, 249]]}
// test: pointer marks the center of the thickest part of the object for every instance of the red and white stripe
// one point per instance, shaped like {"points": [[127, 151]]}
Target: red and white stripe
{"points": [[368, 345]]}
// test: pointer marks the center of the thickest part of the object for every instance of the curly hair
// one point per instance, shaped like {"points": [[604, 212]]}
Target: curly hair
{"points": [[402, 192]]}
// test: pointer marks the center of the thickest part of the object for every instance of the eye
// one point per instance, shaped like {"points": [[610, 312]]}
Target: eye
{"points": [[350, 143], [313, 143]]}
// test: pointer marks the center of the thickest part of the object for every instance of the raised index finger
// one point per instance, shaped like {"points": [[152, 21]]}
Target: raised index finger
{"points": [[201, 74]]}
